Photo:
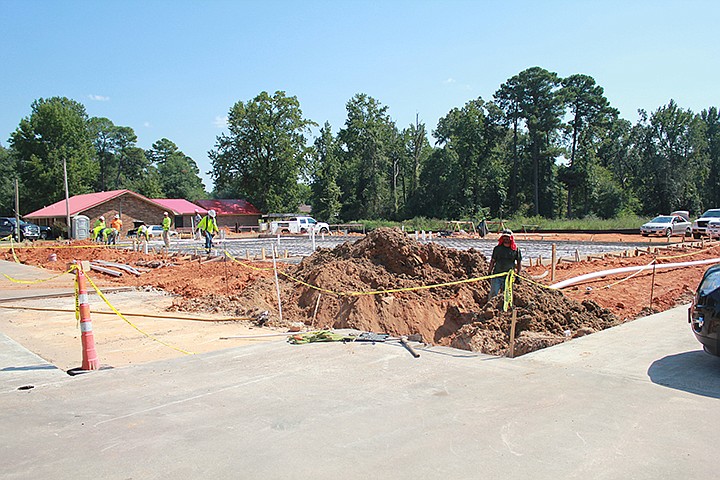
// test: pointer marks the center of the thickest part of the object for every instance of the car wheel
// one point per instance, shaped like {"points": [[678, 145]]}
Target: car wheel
{"points": [[668, 232], [43, 235], [324, 230], [644, 234], [688, 232]]}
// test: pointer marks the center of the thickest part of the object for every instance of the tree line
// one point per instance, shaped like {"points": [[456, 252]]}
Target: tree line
{"points": [[542, 146], [98, 155]]}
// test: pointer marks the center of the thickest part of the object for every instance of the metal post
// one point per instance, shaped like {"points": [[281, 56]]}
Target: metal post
{"points": [[67, 201], [512, 332], [17, 211]]}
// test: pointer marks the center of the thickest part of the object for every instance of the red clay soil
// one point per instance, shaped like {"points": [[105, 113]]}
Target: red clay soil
{"points": [[457, 315], [386, 259]]}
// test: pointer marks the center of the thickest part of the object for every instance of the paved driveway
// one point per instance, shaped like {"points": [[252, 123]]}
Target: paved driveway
{"points": [[637, 401]]}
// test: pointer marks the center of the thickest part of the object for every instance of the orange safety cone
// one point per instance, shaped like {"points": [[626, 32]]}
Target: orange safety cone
{"points": [[90, 359]]}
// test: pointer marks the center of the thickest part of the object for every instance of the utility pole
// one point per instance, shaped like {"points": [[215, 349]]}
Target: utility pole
{"points": [[67, 201], [17, 211]]}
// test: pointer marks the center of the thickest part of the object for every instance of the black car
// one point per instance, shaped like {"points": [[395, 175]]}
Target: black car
{"points": [[27, 230], [704, 313]]}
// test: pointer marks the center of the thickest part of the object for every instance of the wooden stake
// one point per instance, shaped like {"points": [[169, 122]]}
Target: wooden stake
{"points": [[652, 285], [277, 283], [553, 262], [512, 333], [317, 304]]}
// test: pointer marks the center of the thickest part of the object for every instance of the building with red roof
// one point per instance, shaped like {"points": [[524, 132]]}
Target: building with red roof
{"points": [[238, 215], [132, 208], [183, 210]]}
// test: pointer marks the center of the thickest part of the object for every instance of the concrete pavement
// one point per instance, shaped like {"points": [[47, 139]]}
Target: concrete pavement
{"points": [[639, 401]]}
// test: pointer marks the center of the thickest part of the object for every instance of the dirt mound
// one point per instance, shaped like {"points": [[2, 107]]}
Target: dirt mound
{"points": [[388, 261]]}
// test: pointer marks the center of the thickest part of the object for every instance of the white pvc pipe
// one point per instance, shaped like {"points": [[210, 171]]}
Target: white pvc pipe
{"points": [[615, 271]]}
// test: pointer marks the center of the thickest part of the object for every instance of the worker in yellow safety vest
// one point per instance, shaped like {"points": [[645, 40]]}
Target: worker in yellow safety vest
{"points": [[209, 228], [166, 222], [98, 228], [142, 232]]}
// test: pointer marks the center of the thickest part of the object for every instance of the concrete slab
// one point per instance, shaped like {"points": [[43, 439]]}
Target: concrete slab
{"points": [[639, 401], [20, 368]]}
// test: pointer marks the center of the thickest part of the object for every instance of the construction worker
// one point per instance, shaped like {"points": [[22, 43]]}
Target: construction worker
{"points": [[166, 222], [116, 225], [505, 256], [108, 235], [197, 219], [142, 232], [208, 226], [98, 228]]}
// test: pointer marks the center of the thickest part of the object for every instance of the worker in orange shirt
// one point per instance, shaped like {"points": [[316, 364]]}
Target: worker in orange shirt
{"points": [[116, 225]]}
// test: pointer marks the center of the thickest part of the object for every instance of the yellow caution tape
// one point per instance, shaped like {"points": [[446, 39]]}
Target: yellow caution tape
{"points": [[669, 257], [374, 292], [107, 302], [29, 282], [12, 249], [54, 246]]}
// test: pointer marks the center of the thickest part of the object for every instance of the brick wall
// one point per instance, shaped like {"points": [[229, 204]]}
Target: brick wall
{"points": [[132, 209]]}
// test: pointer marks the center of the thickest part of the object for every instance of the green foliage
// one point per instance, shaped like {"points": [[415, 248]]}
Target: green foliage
{"points": [[475, 175], [178, 174], [7, 183], [55, 131], [325, 191], [672, 151], [590, 222], [265, 154], [368, 143]]}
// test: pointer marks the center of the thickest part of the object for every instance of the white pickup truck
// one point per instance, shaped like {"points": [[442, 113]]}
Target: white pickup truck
{"points": [[299, 225]]}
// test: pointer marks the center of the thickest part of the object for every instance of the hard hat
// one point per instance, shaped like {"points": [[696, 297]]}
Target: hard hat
{"points": [[102, 217], [506, 233], [211, 213], [197, 211], [165, 213], [117, 216]]}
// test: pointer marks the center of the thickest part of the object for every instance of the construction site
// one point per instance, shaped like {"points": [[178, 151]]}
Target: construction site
{"points": [[386, 283], [383, 350]]}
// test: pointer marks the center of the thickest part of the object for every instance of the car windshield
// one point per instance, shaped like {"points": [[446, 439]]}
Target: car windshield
{"points": [[709, 284], [711, 213], [661, 219]]}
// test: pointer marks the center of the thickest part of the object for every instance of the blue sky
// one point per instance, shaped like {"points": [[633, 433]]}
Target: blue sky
{"points": [[174, 68]]}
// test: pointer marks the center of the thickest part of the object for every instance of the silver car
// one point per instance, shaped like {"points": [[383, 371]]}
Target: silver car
{"points": [[666, 225], [699, 226], [713, 228]]}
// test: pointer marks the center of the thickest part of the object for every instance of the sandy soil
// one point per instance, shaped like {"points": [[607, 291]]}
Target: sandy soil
{"points": [[48, 327]]}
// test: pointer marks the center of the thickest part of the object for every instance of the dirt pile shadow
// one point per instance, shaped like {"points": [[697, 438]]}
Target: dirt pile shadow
{"points": [[331, 289]]}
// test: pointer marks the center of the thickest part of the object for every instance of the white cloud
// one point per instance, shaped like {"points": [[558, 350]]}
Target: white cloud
{"points": [[220, 122], [449, 80], [146, 124], [98, 98]]}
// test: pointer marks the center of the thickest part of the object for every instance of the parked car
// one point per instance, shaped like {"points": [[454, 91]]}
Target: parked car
{"points": [[299, 225], [666, 225], [713, 228], [704, 312], [46, 233], [699, 226], [156, 231], [27, 230]]}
